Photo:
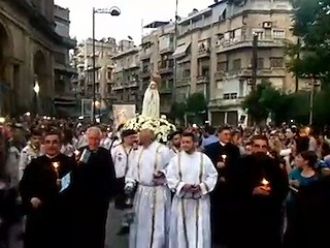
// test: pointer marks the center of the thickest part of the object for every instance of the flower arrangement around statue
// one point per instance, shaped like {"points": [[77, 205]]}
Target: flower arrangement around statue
{"points": [[149, 119]]}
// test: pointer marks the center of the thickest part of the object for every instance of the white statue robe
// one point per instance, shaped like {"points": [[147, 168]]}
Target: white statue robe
{"points": [[151, 103], [152, 203], [190, 225]]}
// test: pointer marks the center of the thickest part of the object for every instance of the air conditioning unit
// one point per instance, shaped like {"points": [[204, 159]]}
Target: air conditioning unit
{"points": [[267, 25]]}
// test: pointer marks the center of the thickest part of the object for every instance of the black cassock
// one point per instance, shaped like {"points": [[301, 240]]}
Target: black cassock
{"points": [[224, 201], [49, 225], [93, 186], [262, 216]]}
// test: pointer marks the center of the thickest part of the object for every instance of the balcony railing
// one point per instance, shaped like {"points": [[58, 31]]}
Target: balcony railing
{"points": [[202, 79], [184, 81], [246, 41], [220, 102]]}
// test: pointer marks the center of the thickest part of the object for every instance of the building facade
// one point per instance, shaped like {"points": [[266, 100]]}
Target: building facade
{"points": [[214, 54], [126, 82], [156, 56], [82, 85], [28, 44], [64, 98]]}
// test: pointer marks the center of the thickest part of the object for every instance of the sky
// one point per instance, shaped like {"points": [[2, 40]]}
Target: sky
{"points": [[133, 14]]}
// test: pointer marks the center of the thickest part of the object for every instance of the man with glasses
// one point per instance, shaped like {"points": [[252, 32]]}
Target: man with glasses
{"points": [[225, 157], [263, 187]]}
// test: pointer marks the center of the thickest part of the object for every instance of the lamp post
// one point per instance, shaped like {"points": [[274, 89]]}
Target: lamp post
{"points": [[36, 90], [113, 11]]}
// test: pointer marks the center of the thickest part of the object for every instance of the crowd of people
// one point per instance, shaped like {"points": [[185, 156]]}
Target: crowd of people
{"points": [[230, 187]]}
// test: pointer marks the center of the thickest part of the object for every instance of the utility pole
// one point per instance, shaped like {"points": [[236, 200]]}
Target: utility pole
{"points": [[94, 69], [174, 47], [254, 62], [311, 100], [298, 58]]}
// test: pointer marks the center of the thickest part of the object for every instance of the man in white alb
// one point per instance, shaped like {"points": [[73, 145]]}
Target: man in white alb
{"points": [[152, 199], [192, 176]]}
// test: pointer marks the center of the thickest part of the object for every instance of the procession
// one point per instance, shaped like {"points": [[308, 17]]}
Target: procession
{"points": [[188, 187], [164, 124]]}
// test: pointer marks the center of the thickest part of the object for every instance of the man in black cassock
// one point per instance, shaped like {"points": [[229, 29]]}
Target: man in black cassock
{"points": [[46, 198], [93, 186], [263, 186], [225, 157]]}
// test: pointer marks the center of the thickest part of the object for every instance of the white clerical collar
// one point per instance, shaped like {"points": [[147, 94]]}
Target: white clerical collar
{"points": [[222, 144], [51, 157]]}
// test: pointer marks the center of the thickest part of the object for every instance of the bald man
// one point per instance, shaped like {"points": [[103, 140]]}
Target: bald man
{"points": [[147, 172], [94, 186]]}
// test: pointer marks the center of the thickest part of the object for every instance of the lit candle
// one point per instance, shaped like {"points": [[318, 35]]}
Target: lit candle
{"points": [[224, 156], [265, 183], [56, 165]]}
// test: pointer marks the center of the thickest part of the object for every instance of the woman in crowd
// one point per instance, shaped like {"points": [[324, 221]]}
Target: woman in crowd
{"points": [[304, 175]]}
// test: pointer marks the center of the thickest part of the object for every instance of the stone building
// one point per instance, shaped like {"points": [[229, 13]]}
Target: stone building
{"points": [[156, 56], [214, 53], [28, 44], [82, 85], [64, 99], [126, 83]]}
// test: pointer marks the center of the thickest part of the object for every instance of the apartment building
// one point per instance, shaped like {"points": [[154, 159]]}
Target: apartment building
{"points": [[64, 100], [126, 84], [82, 85], [156, 53], [214, 53]]}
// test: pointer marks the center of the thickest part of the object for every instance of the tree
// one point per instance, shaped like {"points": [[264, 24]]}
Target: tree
{"points": [[196, 107], [311, 24]]}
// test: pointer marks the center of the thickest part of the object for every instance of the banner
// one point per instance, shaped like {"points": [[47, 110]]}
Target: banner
{"points": [[123, 113]]}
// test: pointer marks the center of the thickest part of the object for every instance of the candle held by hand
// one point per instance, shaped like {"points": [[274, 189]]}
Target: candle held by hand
{"points": [[264, 182]]}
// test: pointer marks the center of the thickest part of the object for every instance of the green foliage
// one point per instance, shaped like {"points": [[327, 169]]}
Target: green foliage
{"points": [[254, 103], [178, 110], [196, 103], [311, 24]]}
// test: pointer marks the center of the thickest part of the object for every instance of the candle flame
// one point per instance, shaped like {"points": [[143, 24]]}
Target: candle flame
{"points": [[224, 156], [264, 182], [56, 165], [76, 152]]}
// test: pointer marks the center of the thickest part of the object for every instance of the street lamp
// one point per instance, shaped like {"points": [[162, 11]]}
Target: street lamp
{"points": [[36, 90], [113, 11]]}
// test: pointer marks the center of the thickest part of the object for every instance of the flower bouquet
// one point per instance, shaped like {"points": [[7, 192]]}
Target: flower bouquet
{"points": [[161, 127]]}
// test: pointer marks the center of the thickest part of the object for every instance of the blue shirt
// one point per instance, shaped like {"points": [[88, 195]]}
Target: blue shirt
{"points": [[209, 140]]}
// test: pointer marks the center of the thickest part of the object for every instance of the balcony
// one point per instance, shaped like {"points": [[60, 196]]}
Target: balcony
{"points": [[145, 54], [182, 82], [145, 73], [225, 103], [133, 84], [165, 90], [117, 86], [165, 70], [219, 75], [246, 42], [169, 49], [203, 79]]}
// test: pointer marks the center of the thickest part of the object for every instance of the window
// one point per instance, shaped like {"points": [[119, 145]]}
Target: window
{"points": [[277, 62], [278, 34], [260, 64], [229, 96], [109, 74], [222, 66], [237, 64]]}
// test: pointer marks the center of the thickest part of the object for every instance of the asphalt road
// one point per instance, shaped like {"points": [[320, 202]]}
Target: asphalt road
{"points": [[112, 228]]}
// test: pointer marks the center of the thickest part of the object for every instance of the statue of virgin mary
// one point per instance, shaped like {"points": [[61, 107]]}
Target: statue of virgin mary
{"points": [[151, 100]]}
